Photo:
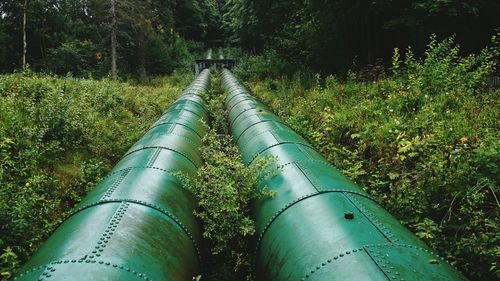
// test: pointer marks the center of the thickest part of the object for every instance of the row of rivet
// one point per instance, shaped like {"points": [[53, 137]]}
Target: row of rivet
{"points": [[233, 92], [231, 84], [235, 89], [196, 99], [311, 160], [115, 184], [330, 260], [188, 140], [109, 231], [386, 267], [238, 92], [256, 155], [231, 97], [173, 127], [147, 204], [163, 147], [237, 138], [173, 173], [181, 113], [373, 219], [271, 131], [251, 104], [196, 86], [390, 271], [245, 98], [176, 123], [288, 205], [154, 157], [200, 83], [193, 98], [50, 268], [182, 110], [258, 107], [393, 275], [103, 240], [235, 86], [319, 186]]}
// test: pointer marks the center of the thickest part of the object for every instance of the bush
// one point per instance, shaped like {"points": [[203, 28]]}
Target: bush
{"points": [[77, 57], [424, 142], [58, 137], [225, 187]]}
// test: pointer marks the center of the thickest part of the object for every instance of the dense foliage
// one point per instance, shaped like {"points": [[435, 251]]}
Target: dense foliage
{"points": [[424, 140], [58, 137], [225, 187], [158, 36], [335, 35], [68, 36]]}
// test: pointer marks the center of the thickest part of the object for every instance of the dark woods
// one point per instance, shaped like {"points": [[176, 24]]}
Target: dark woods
{"points": [[335, 35], [75, 36], [157, 36]]}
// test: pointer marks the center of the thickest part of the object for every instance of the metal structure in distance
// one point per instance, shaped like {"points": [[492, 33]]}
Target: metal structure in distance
{"points": [[138, 223], [319, 225]]}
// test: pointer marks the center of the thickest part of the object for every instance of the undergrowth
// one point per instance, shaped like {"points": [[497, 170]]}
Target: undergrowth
{"points": [[58, 137], [225, 188], [424, 141]]}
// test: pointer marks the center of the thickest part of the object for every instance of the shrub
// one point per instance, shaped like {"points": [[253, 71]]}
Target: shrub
{"points": [[58, 137], [423, 141], [225, 187]]}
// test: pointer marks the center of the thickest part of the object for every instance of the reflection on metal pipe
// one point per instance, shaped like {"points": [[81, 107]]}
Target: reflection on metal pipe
{"points": [[138, 223]]}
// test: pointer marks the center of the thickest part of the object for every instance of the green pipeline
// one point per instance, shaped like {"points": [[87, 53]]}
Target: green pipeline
{"points": [[319, 225], [138, 223]]}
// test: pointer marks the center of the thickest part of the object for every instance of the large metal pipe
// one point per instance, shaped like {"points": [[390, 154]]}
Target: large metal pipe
{"points": [[138, 223], [319, 225]]}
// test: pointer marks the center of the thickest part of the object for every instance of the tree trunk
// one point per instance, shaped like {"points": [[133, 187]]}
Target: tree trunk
{"points": [[113, 39], [25, 44], [368, 26], [142, 55]]}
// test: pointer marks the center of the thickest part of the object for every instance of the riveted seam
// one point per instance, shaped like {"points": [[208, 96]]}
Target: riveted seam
{"points": [[256, 155], [271, 131], [330, 260], [169, 111], [260, 122], [290, 204], [163, 147], [144, 203], [373, 219], [109, 231], [115, 184], [50, 267], [174, 123], [247, 97], [174, 173]]}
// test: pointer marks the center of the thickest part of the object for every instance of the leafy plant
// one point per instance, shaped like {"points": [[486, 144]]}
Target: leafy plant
{"points": [[225, 188], [58, 137], [423, 141]]}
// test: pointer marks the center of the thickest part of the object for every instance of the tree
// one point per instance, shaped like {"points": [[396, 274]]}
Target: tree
{"points": [[25, 45], [114, 27]]}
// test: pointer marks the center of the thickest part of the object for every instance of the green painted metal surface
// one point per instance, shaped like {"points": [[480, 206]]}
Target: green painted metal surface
{"points": [[319, 225], [138, 223]]}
